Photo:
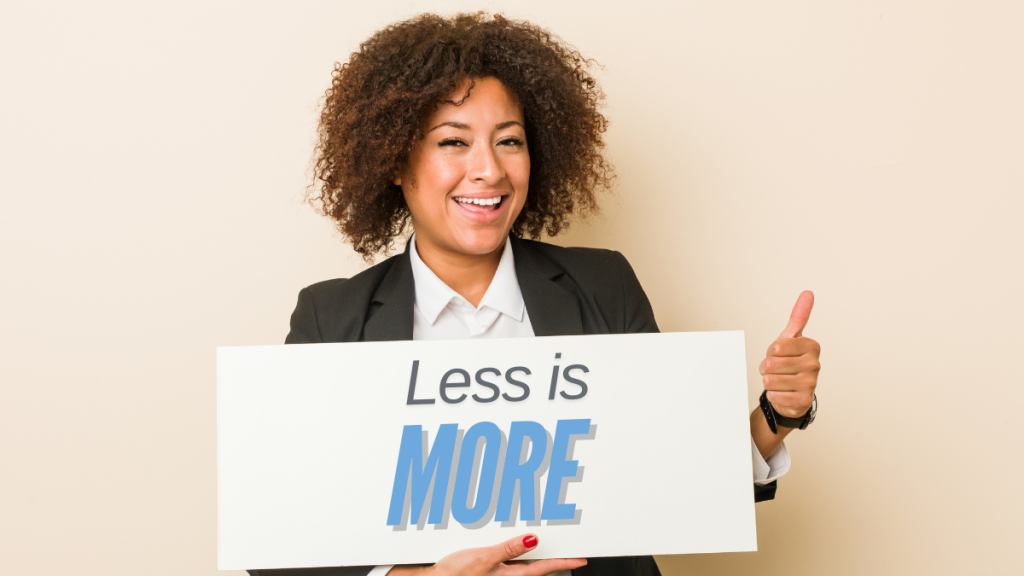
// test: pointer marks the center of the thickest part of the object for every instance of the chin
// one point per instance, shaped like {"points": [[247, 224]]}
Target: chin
{"points": [[480, 244]]}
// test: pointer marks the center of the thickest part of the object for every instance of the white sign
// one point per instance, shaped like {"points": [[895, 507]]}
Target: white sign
{"points": [[402, 452]]}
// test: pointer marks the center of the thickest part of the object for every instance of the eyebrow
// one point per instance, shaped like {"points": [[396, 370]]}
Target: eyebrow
{"points": [[462, 126]]}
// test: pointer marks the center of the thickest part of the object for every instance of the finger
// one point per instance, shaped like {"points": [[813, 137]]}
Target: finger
{"points": [[791, 404], [801, 399], [798, 318], [544, 567], [513, 548], [789, 365], [794, 347], [788, 382]]}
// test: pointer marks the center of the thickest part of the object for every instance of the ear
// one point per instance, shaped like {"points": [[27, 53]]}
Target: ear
{"points": [[396, 175]]}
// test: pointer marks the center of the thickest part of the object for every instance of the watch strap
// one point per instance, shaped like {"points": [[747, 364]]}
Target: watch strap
{"points": [[769, 412], [775, 419], [798, 423]]}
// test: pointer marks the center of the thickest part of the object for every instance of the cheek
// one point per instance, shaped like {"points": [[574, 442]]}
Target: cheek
{"points": [[517, 170], [438, 175], [519, 174]]}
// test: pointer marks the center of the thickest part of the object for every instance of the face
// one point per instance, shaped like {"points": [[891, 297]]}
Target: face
{"points": [[465, 182]]}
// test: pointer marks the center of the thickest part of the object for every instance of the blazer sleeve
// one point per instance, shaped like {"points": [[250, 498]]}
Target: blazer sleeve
{"points": [[305, 329], [639, 316]]}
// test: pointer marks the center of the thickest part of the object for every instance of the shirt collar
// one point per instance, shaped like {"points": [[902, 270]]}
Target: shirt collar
{"points": [[433, 295]]}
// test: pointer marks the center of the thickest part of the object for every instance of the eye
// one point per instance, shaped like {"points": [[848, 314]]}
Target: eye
{"points": [[452, 142], [511, 141]]}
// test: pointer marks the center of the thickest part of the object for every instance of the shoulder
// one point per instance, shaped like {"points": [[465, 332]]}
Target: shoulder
{"points": [[608, 291], [585, 265], [335, 310], [574, 257], [358, 288]]}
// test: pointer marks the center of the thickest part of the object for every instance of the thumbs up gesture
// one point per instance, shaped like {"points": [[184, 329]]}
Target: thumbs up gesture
{"points": [[790, 369]]}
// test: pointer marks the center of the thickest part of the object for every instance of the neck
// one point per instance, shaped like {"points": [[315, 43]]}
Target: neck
{"points": [[468, 274]]}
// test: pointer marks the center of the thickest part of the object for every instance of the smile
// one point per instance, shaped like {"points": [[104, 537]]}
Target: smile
{"points": [[484, 202], [483, 210]]}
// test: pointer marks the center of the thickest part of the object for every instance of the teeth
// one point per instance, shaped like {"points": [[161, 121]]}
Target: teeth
{"points": [[480, 201]]}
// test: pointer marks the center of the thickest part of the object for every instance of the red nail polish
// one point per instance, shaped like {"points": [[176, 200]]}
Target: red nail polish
{"points": [[530, 541]]}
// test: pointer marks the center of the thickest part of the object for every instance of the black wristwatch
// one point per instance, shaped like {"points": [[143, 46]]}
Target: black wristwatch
{"points": [[775, 419]]}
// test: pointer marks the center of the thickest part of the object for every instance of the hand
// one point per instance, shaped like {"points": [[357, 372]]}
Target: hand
{"points": [[493, 560], [790, 370]]}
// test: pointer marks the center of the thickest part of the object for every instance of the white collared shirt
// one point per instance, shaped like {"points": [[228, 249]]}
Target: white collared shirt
{"points": [[442, 314]]}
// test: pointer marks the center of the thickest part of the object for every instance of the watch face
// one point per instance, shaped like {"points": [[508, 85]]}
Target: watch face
{"points": [[814, 409]]}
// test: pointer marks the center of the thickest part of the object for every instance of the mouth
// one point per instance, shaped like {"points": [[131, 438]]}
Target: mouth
{"points": [[483, 210], [480, 205]]}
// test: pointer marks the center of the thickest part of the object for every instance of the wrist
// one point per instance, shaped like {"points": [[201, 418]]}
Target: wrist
{"points": [[777, 420], [764, 439]]}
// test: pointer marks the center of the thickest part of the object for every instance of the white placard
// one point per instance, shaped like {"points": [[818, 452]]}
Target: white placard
{"points": [[646, 439]]}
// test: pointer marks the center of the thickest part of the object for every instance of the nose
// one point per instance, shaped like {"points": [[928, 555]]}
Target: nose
{"points": [[484, 166]]}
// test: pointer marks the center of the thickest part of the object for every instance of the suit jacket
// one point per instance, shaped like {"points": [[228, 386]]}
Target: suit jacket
{"points": [[567, 291]]}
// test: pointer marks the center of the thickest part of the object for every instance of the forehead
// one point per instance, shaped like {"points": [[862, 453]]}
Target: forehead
{"points": [[489, 102]]}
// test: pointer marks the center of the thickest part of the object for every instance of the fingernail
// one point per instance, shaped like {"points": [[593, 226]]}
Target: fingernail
{"points": [[530, 541]]}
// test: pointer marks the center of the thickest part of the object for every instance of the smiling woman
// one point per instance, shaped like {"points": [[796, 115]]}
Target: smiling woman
{"points": [[382, 101], [466, 182], [482, 131]]}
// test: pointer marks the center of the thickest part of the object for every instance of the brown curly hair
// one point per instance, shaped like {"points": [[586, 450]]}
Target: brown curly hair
{"points": [[377, 101]]}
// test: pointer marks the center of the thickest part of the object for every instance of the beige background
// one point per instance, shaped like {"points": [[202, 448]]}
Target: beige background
{"points": [[151, 167]]}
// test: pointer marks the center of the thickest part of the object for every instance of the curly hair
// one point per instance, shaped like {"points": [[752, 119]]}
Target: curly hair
{"points": [[373, 111]]}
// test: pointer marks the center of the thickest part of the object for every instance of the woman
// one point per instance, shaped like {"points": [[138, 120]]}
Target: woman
{"points": [[481, 131]]}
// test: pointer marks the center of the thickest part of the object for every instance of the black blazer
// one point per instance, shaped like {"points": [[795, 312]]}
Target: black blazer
{"points": [[567, 291]]}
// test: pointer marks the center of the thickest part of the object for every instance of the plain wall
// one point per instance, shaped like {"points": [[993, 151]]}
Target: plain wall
{"points": [[153, 158]]}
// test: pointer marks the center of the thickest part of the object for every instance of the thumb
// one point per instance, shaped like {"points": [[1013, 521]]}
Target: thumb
{"points": [[514, 548], [798, 319]]}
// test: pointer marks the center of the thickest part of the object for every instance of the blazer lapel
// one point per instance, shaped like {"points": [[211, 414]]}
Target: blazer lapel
{"points": [[392, 304], [554, 311]]}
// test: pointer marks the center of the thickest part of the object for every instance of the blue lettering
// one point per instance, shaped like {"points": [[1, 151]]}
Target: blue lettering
{"points": [[561, 468], [413, 474], [411, 470], [488, 468], [522, 473]]}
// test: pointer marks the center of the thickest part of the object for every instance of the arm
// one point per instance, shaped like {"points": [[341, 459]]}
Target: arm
{"points": [[639, 316], [766, 441], [789, 373], [304, 326]]}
